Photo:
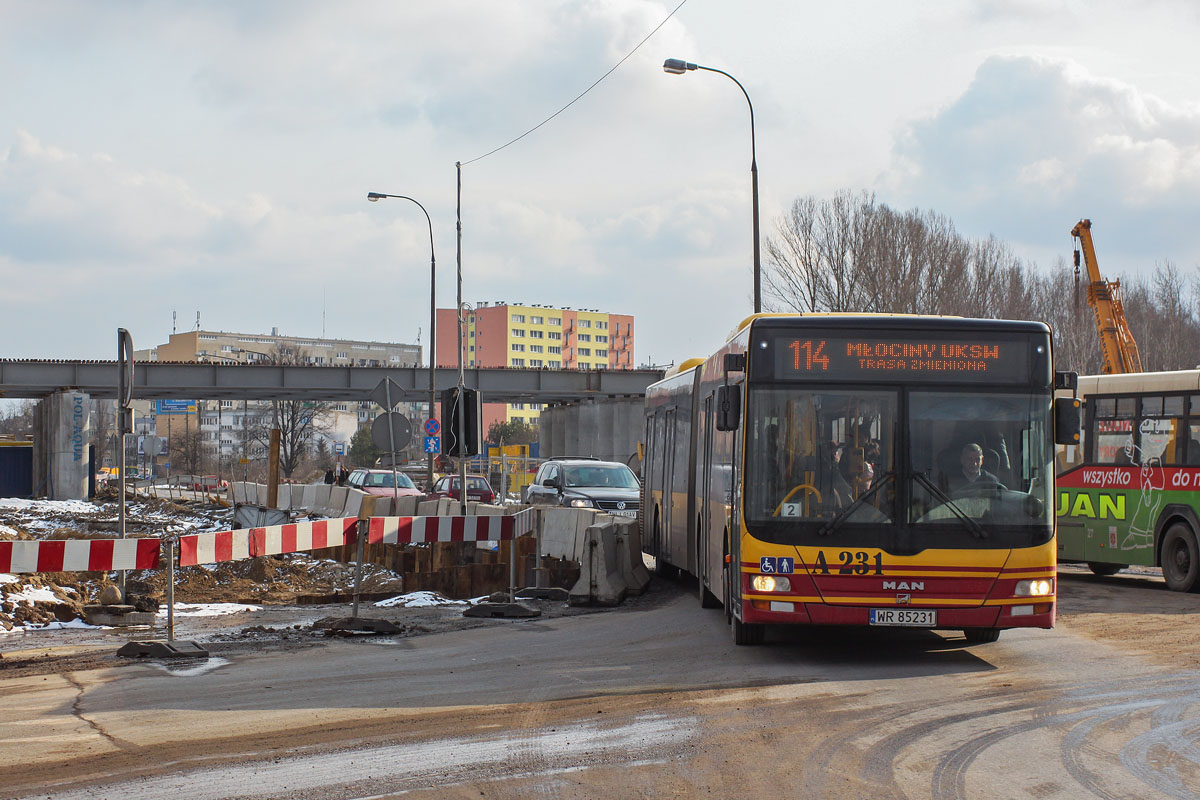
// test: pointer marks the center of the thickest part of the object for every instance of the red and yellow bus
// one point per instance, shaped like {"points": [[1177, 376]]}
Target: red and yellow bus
{"points": [[828, 469]]}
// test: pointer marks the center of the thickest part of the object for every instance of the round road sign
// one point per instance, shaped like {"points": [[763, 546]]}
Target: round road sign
{"points": [[432, 427], [401, 428]]}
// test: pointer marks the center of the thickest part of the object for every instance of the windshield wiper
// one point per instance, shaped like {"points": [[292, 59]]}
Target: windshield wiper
{"points": [[837, 521], [975, 528]]}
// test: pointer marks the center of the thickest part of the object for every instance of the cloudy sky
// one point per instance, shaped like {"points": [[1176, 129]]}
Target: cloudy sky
{"points": [[166, 157]]}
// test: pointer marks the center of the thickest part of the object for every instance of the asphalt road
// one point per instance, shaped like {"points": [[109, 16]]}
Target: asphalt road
{"points": [[650, 701]]}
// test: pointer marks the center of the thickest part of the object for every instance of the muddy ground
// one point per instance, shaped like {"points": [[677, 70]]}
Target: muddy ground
{"points": [[1133, 608]]}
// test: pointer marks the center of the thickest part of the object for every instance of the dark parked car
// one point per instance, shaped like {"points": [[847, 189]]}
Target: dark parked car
{"points": [[586, 483], [478, 488]]}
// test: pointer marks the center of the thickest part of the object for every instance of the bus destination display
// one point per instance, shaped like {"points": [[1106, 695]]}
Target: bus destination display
{"points": [[873, 358]]}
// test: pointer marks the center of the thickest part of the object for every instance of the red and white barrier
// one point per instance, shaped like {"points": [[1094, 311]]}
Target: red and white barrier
{"points": [[79, 555], [210, 548], [419, 530]]}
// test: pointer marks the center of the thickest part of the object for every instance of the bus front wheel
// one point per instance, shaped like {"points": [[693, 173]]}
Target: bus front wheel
{"points": [[1180, 559], [1104, 570], [746, 633], [981, 635]]}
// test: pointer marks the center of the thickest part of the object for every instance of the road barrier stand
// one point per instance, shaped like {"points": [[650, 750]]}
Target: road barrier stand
{"points": [[601, 581], [103, 555], [629, 553], [170, 648], [212, 548], [79, 555]]}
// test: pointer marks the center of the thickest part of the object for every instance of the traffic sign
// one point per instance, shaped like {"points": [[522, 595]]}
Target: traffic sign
{"points": [[401, 428], [433, 444], [339, 449], [387, 393], [432, 427], [162, 407]]}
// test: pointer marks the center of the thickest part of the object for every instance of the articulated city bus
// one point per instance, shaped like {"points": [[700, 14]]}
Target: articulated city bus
{"points": [[1131, 493], [879, 470]]}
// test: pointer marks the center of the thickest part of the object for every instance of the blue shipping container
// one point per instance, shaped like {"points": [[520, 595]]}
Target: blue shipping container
{"points": [[16, 470]]}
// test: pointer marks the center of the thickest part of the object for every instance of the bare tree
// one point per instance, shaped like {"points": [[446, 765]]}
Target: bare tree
{"points": [[853, 253], [16, 419], [186, 451], [298, 421]]}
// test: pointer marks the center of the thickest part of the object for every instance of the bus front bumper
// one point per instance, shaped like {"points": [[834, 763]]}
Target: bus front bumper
{"points": [[783, 612]]}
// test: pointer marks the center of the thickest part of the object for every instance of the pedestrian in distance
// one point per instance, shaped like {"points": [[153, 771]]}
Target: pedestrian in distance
{"points": [[329, 477]]}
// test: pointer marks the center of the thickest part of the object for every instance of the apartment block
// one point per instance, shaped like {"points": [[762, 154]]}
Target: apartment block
{"points": [[226, 426], [534, 337]]}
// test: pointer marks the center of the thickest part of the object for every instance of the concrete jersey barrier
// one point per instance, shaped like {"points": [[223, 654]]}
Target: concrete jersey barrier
{"points": [[601, 581]]}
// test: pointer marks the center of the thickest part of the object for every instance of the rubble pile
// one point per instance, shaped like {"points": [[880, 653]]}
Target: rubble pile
{"points": [[35, 600]]}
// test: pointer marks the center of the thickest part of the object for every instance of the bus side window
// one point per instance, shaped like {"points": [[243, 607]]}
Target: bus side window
{"points": [[1192, 455], [1113, 438]]}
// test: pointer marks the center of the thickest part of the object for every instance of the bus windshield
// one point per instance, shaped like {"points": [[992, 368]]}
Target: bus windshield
{"points": [[826, 465], [981, 460], [812, 454]]}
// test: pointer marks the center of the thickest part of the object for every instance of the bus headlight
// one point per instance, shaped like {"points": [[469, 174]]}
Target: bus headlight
{"points": [[770, 583], [1038, 588]]}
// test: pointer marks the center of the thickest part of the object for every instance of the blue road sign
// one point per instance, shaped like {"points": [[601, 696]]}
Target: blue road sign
{"points": [[432, 427], [174, 406], [339, 449], [433, 444]]}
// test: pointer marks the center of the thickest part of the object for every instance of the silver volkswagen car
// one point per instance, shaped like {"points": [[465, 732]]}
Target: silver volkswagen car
{"points": [[586, 483]]}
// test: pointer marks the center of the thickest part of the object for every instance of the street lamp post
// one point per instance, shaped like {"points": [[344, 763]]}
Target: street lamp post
{"points": [[677, 66], [375, 197], [462, 405]]}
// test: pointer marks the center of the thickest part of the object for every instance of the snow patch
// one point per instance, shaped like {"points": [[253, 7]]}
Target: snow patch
{"points": [[419, 600], [54, 626], [211, 609], [33, 595]]}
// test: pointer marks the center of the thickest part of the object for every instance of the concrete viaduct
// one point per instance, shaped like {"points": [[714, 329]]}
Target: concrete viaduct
{"points": [[594, 412]]}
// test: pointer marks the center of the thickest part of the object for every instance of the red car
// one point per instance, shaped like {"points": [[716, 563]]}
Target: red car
{"points": [[478, 488]]}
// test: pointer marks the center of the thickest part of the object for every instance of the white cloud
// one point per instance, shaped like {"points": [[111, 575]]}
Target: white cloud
{"points": [[1035, 143]]}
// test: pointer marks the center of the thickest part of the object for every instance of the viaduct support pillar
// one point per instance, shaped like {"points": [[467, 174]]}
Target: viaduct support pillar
{"points": [[61, 443]]}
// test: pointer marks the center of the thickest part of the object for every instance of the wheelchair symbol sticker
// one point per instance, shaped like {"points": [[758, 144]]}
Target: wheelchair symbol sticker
{"points": [[772, 565]]}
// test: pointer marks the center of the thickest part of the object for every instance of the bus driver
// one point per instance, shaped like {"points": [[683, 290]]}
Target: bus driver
{"points": [[973, 472]]}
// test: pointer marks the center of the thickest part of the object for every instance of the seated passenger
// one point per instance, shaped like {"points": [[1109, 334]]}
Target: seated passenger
{"points": [[972, 472]]}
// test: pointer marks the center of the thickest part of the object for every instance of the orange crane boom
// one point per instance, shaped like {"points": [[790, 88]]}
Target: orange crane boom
{"points": [[1116, 342]]}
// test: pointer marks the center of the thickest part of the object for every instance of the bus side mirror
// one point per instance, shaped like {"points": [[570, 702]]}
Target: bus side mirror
{"points": [[1066, 420], [729, 408], [1066, 380]]}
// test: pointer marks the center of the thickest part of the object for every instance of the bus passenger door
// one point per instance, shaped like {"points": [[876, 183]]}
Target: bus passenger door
{"points": [[668, 499], [704, 510]]}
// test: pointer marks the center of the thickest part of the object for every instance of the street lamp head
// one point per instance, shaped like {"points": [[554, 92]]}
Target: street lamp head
{"points": [[677, 66], [375, 197]]}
